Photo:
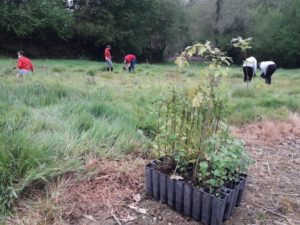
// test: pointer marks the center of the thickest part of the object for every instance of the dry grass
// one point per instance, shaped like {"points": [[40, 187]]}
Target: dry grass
{"points": [[269, 132], [40, 208]]}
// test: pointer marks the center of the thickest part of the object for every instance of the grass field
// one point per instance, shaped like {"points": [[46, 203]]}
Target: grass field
{"points": [[51, 121]]}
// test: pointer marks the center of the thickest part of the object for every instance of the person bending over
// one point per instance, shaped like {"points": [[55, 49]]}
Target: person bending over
{"points": [[249, 68], [130, 61], [267, 68], [24, 65]]}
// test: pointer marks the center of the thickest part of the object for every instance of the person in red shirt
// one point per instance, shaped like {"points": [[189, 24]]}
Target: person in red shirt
{"points": [[130, 61], [108, 58], [24, 65]]}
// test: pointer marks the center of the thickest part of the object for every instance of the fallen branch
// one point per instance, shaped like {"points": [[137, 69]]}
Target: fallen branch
{"points": [[275, 213], [278, 223], [116, 219], [286, 194]]}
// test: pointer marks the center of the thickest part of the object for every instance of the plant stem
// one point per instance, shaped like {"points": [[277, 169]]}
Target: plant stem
{"points": [[245, 56]]}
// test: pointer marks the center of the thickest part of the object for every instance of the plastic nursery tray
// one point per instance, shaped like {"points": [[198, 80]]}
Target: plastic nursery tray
{"points": [[194, 202]]}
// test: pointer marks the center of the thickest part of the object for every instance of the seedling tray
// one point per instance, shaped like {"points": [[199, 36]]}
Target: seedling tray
{"points": [[192, 201]]}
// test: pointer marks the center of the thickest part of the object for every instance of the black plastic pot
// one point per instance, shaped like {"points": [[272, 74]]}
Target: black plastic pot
{"points": [[197, 204], [218, 209], [155, 183], [188, 200], [206, 207], [229, 202], [234, 187], [148, 178], [236, 193], [163, 187], [242, 179], [171, 193], [179, 193]]}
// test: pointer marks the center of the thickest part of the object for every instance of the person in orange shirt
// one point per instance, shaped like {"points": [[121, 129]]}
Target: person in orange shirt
{"points": [[108, 58], [24, 65]]}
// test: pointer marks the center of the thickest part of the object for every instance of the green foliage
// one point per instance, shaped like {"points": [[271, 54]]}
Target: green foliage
{"points": [[244, 45], [278, 36], [152, 29], [192, 130], [225, 158], [215, 55], [40, 16], [241, 43], [80, 28]]}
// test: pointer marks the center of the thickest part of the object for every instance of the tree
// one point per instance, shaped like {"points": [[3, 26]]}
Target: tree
{"points": [[277, 31], [33, 21]]}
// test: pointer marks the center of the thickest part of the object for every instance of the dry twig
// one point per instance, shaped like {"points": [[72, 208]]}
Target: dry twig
{"points": [[116, 218], [275, 213], [285, 194]]}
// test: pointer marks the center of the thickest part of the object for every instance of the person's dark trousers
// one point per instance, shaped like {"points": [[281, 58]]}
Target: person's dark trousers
{"points": [[270, 70], [248, 73], [132, 65]]}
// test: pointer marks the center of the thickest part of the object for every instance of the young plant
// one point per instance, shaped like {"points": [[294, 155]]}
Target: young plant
{"points": [[243, 44], [191, 127]]}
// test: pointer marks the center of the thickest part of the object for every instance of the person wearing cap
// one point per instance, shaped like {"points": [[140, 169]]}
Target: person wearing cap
{"points": [[267, 68], [108, 58], [130, 61], [24, 65], [249, 68]]}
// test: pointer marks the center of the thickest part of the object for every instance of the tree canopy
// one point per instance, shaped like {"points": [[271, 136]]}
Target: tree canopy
{"points": [[152, 29]]}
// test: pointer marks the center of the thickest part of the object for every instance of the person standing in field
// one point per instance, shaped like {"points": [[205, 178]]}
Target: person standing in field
{"points": [[249, 68], [24, 65], [130, 61], [267, 68], [108, 58]]}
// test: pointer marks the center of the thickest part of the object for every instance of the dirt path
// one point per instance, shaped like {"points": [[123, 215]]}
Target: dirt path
{"points": [[112, 192]]}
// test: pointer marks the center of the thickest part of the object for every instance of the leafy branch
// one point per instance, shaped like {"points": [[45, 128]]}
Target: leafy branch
{"points": [[244, 45]]}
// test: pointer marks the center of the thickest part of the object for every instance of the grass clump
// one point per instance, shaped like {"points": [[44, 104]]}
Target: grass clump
{"points": [[23, 164], [91, 72], [36, 94], [59, 69]]}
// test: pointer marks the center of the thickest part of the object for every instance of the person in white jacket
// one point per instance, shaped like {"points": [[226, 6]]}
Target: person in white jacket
{"points": [[267, 68], [249, 68]]}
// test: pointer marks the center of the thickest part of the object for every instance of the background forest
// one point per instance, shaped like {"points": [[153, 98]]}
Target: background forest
{"points": [[153, 29]]}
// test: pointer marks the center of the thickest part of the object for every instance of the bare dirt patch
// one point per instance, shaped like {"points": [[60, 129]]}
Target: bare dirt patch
{"points": [[105, 192]]}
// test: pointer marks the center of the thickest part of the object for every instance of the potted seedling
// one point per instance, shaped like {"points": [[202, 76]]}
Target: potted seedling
{"points": [[200, 167]]}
